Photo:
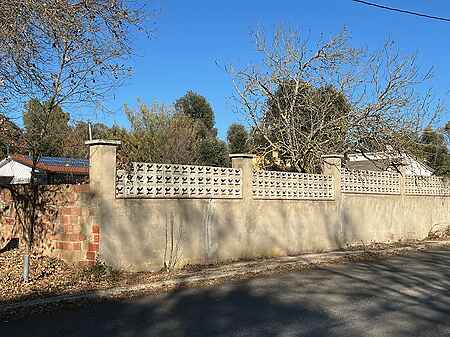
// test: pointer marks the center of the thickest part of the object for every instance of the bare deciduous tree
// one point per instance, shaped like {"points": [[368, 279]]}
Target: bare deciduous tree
{"points": [[65, 51], [62, 53], [307, 99]]}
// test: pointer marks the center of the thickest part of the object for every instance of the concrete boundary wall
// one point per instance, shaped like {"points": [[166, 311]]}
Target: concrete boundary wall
{"points": [[142, 233]]}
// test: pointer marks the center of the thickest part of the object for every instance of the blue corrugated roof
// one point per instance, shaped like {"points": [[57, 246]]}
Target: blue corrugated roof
{"points": [[63, 161]]}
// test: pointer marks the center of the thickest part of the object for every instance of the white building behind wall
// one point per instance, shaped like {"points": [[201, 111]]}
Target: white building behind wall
{"points": [[12, 172], [16, 169], [379, 161]]}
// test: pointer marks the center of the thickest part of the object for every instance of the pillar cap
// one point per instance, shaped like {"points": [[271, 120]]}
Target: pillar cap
{"points": [[336, 155], [242, 155], [103, 142]]}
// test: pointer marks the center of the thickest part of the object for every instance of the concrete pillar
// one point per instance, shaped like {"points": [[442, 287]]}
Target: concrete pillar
{"points": [[102, 167], [244, 161], [402, 171], [102, 185], [405, 232], [332, 165]]}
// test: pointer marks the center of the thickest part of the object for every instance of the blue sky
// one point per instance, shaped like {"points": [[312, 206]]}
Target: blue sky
{"points": [[191, 36]]}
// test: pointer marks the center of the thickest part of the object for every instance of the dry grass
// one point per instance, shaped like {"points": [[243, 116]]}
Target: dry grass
{"points": [[48, 276]]}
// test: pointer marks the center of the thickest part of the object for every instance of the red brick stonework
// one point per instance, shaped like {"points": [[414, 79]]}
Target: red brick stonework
{"points": [[7, 215], [75, 234]]}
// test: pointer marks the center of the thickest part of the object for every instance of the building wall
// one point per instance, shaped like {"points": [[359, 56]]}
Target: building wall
{"points": [[410, 166], [21, 173]]}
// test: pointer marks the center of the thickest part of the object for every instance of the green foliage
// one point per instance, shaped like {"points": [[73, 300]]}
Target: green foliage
{"points": [[100, 271], [3, 149], [212, 151], [198, 108], [318, 123], [78, 134], [10, 137], [161, 134], [435, 151], [157, 133], [237, 137], [46, 127]]}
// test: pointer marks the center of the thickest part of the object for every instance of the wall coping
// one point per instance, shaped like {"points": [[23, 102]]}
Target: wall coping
{"points": [[103, 142], [325, 156], [241, 155]]}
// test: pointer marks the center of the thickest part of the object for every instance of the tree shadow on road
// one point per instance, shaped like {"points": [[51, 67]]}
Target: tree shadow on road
{"points": [[234, 309], [400, 296]]}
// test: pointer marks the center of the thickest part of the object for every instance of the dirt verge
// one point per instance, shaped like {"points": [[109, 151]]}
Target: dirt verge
{"points": [[54, 283]]}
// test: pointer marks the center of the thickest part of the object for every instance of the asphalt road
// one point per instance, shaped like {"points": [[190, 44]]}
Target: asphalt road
{"points": [[399, 296]]}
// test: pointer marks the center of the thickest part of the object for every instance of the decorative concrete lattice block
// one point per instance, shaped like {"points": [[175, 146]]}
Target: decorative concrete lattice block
{"points": [[419, 185], [286, 185], [164, 181], [371, 182]]}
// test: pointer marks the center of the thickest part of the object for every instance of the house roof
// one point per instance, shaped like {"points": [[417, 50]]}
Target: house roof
{"points": [[55, 164], [382, 156]]}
